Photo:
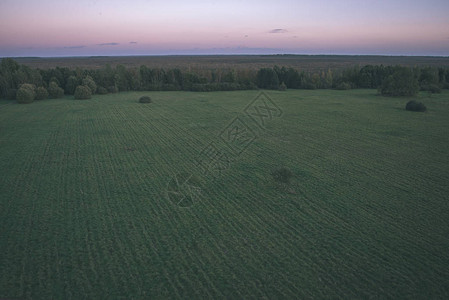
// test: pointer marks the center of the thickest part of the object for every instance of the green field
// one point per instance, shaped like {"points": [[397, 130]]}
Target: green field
{"points": [[87, 205]]}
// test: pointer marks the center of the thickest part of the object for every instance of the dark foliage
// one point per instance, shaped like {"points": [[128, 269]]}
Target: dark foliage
{"points": [[401, 83], [54, 91], [82, 92], [267, 79], [112, 89], [282, 175], [101, 90], [41, 93], [11, 94], [390, 80], [26, 93], [432, 88], [145, 99], [415, 106], [90, 83]]}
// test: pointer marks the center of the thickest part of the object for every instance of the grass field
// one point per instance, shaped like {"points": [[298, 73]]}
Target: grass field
{"points": [[87, 207]]}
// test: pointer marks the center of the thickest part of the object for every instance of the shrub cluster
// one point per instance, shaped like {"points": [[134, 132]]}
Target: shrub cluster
{"points": [[400, 83], [90, 83], [41, 93], [54, 91], [82, 92], [415, 106], [145, 99], [26, 93], [101, 90]]}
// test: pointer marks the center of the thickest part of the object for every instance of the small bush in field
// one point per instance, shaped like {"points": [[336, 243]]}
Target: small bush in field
{"points": [[415, 106], [82, 92], [145, 99], [282, 87], [41, 93], [282, 175]]}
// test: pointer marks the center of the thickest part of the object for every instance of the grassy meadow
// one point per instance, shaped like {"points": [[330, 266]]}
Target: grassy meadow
{"points": [[87, 209]]}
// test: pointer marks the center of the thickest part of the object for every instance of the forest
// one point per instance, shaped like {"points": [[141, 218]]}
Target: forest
{"points": [[21, 82]]}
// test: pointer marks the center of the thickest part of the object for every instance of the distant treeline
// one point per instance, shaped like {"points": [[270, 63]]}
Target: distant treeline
{"points": [[119, 79]]}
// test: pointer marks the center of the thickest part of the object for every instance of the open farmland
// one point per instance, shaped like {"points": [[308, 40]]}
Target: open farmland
{"points": [[87, 209], [309, 63]]}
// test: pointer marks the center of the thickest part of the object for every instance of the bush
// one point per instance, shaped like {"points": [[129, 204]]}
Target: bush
{"points": [[41, 93], [26, 93], [343, 86], [90, 83], [282, 175], [101, 90], [70, 86], [282, 87], [145, 99], [54, 91], [112, 89], [415, 106], [82, 92]]}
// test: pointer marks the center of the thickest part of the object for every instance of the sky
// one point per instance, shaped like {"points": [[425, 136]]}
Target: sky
{"points": [[172, 27]]}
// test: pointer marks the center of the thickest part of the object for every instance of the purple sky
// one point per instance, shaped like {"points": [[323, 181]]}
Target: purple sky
{"points": [[147, 27]]}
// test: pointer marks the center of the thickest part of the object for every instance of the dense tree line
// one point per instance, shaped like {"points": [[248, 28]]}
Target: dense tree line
{"points": [[54, 83]]}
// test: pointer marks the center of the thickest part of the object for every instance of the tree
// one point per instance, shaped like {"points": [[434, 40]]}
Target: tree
{"points": [[70, 86], [26, 93], [41, 93], [54, 91], [90, 83], [401, 83], [82, 92], [267, 79]]}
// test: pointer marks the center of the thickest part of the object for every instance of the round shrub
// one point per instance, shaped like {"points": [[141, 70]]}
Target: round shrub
{"points": [[282, 175], [82, 92], [145, 99], [41, 93], [90, 83], [415, 106], [101, 90], [25, 94], [54, 91]]}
